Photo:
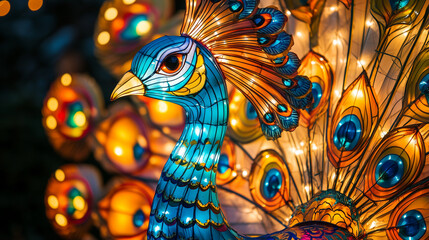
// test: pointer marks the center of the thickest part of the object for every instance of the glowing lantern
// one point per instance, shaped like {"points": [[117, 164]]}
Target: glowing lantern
{"points": [[70, 197], [71, 107], [123, 27], [243, 120], [125, 210], [226, 169], [164, 114], [122, 140]]}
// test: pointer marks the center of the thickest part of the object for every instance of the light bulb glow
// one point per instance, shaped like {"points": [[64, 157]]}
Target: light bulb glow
{"points": [[79, 118], [66, 79], [79, 203], [103, 38], [35, 5], [143, 27], [52, 202], [118, 151], [51, 122], [128, 2], [111, 13], [61, 220], [60, 175], [162, 106], [4, 8], [52, 104]]}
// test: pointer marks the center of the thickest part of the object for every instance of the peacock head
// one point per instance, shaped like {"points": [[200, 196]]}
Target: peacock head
{"points": [[170, 68]]}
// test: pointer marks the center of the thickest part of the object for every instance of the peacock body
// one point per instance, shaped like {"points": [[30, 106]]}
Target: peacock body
{"points": [[358, 168]]}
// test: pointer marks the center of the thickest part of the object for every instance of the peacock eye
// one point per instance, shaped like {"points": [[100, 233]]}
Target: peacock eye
{"points": [[172, 63]]}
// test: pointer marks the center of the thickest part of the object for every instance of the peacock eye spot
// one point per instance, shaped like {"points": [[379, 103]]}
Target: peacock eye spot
{"points": [[412, 225], [171, 62]]}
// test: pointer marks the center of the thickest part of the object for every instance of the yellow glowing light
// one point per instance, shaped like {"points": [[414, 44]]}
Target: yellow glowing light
{"points": [[234, 174], [66, 79], [79, 118], [333, 9], [51, 122], [314, 146], [79, 203], [373, 225], [288, 13], [4, 8], [52, 104], [60, 175], [369, 23], [111, 13], [53, 202], [128, 2], [361, 63], [233, 122], [162, 106], [335, 42], [301, 143], [244, 173], [61, 220], [383, 133], [143, 27], [307, 188], [299, 34], [166, 130], [35, 5], [299, 152], [103, 38], [357, 93], [337, 93], [118, 151]]}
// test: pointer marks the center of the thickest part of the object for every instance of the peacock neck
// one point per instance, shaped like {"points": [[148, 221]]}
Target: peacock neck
{"points": [[186, 203]]}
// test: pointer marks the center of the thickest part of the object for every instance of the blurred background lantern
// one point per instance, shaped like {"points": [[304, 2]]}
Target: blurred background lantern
{"points": [[124, 26], [121, 140], [70, 197], [51, 105], [125, 209], [72, 107]]}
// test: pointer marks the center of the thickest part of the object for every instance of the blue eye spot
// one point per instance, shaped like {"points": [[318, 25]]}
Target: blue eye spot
{"points": [[236, 6], [287, 82], [281, 108], [138, 151], [271, 183], [411, 225], [317, 92], [347, 133], [424, 86], [269, 117], [389, 171], [223, 164], [250, 111], [263, 40], [138, 218], [398, 4]]}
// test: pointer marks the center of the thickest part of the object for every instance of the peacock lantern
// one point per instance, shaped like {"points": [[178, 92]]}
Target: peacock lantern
{"points": [[360, 187]]}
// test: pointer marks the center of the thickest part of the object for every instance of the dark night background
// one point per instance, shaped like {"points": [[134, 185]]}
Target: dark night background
{"points": [[36, 48]]}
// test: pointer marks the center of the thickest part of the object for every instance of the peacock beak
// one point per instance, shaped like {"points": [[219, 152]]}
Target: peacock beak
{"points": [[130, 84]]}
